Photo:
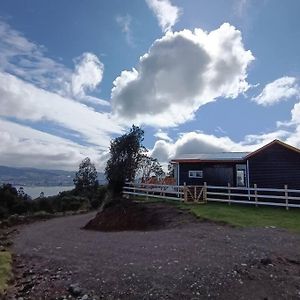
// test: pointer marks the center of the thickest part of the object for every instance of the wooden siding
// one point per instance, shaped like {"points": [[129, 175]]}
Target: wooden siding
{"points": [[274, 167], [214, 174]]}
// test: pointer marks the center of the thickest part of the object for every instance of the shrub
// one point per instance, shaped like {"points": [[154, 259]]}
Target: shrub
{"points": [[12, 202]]}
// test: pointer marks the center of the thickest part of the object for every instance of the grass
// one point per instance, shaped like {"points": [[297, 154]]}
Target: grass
{"points": [[241, 215], [247, 216], [5, 270]]}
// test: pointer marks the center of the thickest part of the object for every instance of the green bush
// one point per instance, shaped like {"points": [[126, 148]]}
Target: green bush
{"points": [[12, 202]]}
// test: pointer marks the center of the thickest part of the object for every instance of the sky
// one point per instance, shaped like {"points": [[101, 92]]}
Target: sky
{"points": [[198, 76]]}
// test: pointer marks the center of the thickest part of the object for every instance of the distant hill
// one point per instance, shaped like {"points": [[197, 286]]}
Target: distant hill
{"points": [[39, 177]]}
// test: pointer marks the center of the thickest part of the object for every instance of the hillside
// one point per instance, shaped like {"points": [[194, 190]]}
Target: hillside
{"points": [[39, 177]]}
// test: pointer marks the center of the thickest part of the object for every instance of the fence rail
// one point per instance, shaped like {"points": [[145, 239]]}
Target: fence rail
{"points": [[208, 193], [256, 196], [169, 192]]}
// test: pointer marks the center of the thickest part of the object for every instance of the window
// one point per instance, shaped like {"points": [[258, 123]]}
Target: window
{"points": [[241, 175], [240, 178], [196, 174]]}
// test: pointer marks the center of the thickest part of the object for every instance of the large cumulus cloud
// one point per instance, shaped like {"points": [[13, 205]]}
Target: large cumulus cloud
{"points": [[181, 72], [198, 142], [193, 143]]}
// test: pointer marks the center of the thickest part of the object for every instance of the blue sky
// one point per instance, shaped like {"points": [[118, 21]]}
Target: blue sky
{"points": [[197, 76]]}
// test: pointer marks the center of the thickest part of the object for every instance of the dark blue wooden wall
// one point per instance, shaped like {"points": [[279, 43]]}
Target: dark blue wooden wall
{"points": [[274, 167], [213, 173]]}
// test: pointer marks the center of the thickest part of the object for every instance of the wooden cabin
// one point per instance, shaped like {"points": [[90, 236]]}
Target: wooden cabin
{"points": [[271, 166]]}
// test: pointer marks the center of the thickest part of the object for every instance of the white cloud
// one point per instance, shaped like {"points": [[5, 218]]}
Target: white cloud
{"points": [[166, 13], [22, 146], [25, 59], [94, 100], [87, 75], [296, 113], [181, 72], [161, 151], [35, 89], [24, 101], [125, 23], [219, 129], [279, 90], [195, 142], [163, 135], [240, 7], [254, 141]]}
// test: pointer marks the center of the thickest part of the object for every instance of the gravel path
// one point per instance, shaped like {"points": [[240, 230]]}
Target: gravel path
{"points": [[196, 260]]}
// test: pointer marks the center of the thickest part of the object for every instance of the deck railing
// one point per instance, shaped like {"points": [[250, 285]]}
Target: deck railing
{"points": [[288, 198]]}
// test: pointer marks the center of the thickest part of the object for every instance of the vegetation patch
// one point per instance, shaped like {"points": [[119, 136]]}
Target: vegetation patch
{"points": [[17, 208], [247, 216], [5, 270]]}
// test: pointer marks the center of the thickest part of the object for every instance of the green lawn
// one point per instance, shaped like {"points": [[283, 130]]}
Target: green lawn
{"points": [[5, 270], [241, 215]]}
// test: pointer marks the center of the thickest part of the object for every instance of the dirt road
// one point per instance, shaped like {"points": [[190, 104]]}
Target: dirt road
{"points": [[194, 260]]}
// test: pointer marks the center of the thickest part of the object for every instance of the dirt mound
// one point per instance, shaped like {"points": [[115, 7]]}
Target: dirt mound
{"points": [[129, 215]]}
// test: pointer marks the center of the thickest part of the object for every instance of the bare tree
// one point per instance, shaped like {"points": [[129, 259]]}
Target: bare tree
{"points": [[148, 167]]}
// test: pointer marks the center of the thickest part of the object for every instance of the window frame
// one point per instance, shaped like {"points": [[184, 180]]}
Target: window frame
{"points": [[195, 172]]}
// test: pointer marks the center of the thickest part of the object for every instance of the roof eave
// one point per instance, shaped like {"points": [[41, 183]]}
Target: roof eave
{"points": [[270, 144], [206, 161]]}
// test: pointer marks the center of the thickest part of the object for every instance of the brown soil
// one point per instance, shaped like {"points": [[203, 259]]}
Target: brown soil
{"points": [[129, 215], [185, 259]]}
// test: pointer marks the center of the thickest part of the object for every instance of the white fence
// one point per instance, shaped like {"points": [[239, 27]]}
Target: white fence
{"points": [[285, 197], [257, 196], [169, 192]]}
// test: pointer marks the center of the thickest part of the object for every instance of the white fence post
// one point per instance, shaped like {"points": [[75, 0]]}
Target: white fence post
{"points": [[286, 195], [205, 192], [255, 193], [229, 196], [185, 192]]}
